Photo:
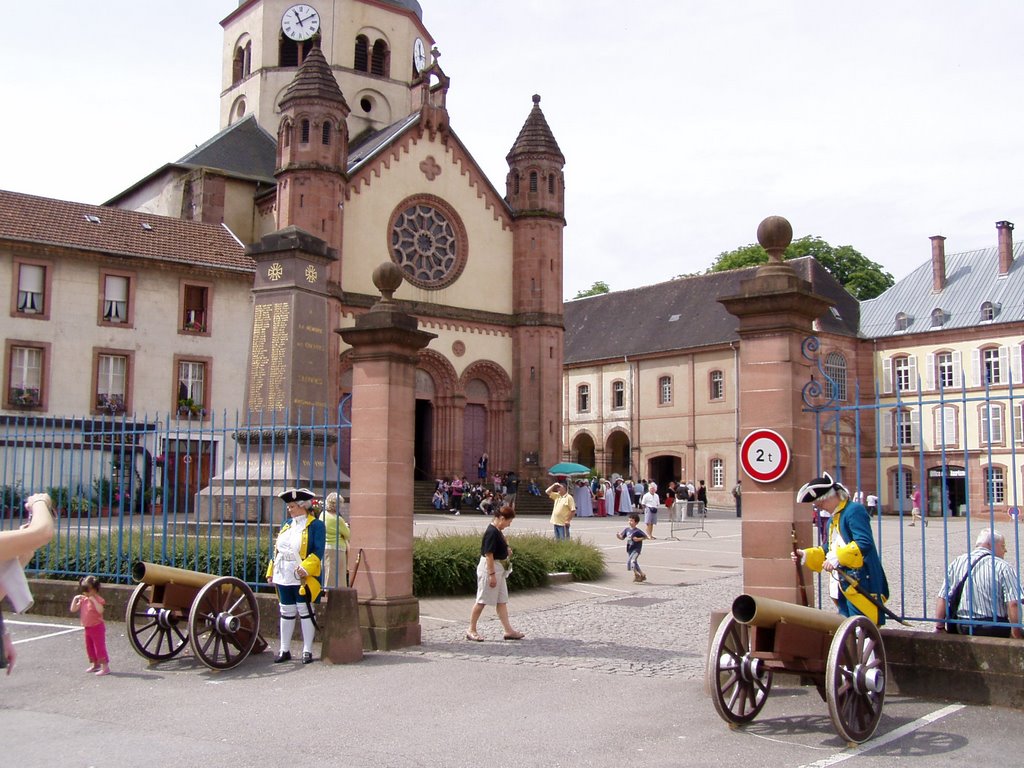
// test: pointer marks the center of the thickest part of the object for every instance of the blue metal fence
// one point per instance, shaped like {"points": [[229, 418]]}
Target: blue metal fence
{"points": [[886, 445], [174, 488]]}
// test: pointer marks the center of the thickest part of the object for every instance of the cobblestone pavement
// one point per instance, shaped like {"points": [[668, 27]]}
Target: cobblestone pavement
{"points": [[660, 632]]}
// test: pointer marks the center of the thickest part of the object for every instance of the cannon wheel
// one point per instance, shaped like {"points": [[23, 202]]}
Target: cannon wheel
{"points": [[155, 633], [738, 682], [855, 679], [224, 623]]}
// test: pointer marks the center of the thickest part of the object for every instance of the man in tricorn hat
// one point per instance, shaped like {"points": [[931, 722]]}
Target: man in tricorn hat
{"points": [[849, 547], [295, 568]]}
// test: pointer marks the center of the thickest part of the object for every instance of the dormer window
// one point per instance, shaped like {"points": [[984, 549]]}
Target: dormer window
{"points": [[988, 312], [938, 318], [902, 321]]}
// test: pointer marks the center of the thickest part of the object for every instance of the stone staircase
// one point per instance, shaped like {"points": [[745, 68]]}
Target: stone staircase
{"points": [[423, 492]]}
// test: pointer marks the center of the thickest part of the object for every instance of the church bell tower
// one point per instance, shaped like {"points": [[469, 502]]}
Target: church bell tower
{"points": [[535, 191]]}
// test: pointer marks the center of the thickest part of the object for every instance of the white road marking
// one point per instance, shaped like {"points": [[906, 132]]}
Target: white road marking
{"points": [[899, 733]]}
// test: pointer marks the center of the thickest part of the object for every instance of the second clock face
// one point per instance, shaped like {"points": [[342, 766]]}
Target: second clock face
{"points": [[419, 55], [300, 22]]}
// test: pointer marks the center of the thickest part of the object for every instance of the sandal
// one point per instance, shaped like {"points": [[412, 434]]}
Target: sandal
{"points": [[514, 635], [474, 637]]}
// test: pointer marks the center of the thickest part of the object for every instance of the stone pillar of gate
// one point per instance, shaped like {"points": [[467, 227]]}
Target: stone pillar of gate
{"points": [[385, 350], [776, 309]]}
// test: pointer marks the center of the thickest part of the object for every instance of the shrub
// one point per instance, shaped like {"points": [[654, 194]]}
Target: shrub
{"points": [[446, 564]]}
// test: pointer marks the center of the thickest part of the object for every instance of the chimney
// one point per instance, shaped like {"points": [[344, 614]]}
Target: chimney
{"points": [[938, 263], [1005, 229]]}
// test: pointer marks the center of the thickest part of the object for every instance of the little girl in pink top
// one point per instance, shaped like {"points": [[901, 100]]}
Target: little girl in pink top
{"points": [[89, 605]]}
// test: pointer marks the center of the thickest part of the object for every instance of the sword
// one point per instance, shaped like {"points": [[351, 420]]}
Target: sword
{"points": [[870, 598]]}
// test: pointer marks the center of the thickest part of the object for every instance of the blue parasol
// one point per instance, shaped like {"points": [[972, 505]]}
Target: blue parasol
{"points": [[568, 468]]}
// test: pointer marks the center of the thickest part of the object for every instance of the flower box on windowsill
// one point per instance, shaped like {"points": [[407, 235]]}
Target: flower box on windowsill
{"points": [[193, 328], [24, 398], [113, 405], [186, 412]]}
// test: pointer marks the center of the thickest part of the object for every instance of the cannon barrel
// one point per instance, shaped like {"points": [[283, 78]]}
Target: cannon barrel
{"points": [[765, 612], [151, 573]]}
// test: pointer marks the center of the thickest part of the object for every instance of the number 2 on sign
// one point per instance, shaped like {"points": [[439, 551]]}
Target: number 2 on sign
{"points": [[761, 457]]}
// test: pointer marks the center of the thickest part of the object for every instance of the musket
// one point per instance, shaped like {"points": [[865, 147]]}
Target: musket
{"points": [[870, 598], [359, 559]]}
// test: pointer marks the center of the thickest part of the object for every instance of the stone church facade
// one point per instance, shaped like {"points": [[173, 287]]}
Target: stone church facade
{"points": [[344, 132]]}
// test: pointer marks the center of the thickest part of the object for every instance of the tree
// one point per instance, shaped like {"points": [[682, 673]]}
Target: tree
{"points": [[595, 290], [863, 278]]}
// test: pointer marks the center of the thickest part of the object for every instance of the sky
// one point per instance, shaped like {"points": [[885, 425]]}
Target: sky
{"points": [[683, 123]]}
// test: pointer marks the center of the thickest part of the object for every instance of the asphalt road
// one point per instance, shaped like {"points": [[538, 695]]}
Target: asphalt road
{"points": [[610, 674]]}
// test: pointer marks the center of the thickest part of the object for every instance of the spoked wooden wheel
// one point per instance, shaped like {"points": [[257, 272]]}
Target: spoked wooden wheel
{"points": [[224, 623], [739, 683], [155, 632], [855, 679]]}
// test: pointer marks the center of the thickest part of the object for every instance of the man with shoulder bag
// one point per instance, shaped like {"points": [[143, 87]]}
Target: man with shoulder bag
{"points": [[980, 592]]}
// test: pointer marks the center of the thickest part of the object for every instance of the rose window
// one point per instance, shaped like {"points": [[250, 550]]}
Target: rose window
{"points": [[427, 243]]}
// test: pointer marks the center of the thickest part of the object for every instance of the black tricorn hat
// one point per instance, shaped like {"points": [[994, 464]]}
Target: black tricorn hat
{"points": [[816, 488], [296, 494]]}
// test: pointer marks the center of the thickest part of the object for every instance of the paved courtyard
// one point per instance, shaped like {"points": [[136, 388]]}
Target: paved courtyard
{"points": [[610, 674]]}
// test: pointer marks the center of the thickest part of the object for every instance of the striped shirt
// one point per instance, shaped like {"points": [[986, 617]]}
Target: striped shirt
{"points": [[976, 600]]}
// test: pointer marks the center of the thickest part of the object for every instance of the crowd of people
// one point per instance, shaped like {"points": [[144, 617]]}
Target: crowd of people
{"points": [[458, 493]]}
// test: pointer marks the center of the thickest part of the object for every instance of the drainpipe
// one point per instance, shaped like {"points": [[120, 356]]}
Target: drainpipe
{"points": [[736, 376], [634, 424]]}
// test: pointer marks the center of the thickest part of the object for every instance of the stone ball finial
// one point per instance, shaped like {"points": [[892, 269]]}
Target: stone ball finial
{"points": [[536, 99], [775, 234], [387, 277]]}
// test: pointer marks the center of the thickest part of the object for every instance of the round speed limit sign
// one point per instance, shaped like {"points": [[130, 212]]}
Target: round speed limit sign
{"points": [[764, 456]]}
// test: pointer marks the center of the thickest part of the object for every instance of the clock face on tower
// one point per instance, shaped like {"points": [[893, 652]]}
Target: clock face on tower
{"points": [[419, 56], [300, 22]]}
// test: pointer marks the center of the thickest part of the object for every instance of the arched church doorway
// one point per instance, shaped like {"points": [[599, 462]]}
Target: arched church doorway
{"points": [[474, 428], [616, 453], [583, 451], [423, 440]]}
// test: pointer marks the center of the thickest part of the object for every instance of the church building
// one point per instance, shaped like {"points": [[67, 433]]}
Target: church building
{"points": [[334, 120]]}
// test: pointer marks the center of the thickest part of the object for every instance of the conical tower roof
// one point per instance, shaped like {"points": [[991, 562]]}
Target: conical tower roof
{"points": [[314, 80], [535, 138]]}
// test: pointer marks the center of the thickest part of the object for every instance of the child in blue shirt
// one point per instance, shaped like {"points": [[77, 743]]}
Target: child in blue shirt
{"points": [[634, 544]]}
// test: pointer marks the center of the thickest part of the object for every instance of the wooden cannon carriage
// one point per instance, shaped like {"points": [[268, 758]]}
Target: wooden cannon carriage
{"points": [[172, 606], [844, 656]]}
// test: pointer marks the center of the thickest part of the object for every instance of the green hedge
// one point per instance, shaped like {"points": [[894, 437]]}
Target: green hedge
{"points": [[73, 557], [446, 564], [442, 565]]}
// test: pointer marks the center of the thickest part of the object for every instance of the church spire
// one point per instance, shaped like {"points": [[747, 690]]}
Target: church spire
{"points": [[535, 183], [312, 151], [314, 80]]}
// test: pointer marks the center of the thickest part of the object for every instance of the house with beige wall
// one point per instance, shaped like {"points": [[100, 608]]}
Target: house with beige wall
{"points": [[651, 377], [118, 317], [946, 344]]}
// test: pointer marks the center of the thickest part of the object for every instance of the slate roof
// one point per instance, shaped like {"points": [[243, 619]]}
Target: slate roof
{"points": [[535, 137], [243, 148], [119, 232], [972, 277], [314, 80], [640, 321]]}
